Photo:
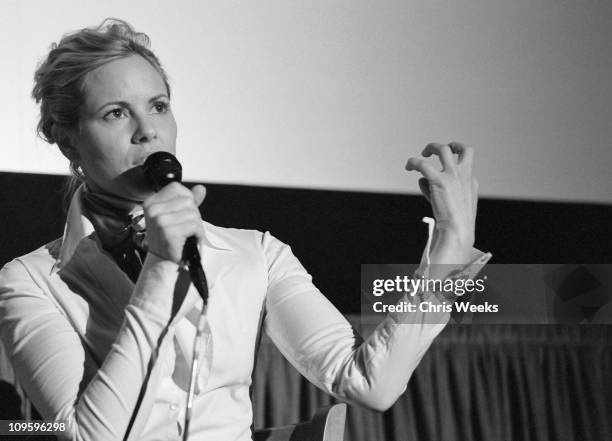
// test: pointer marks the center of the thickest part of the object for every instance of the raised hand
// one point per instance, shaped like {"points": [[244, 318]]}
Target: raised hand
{"points": [[453, 195]]}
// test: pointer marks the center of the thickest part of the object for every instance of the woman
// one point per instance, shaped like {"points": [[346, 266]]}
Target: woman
{"points": [[100, 323]]}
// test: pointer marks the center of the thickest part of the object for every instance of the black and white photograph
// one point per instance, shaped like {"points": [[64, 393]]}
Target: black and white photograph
{"points": [[306, 221]]}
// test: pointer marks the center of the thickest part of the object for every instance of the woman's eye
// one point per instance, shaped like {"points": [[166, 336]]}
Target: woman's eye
{"points": [[115, 114], [161, 107]]}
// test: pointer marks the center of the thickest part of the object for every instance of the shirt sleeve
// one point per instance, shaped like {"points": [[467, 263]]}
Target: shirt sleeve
{"points": [[51, 362], [320, 343]]}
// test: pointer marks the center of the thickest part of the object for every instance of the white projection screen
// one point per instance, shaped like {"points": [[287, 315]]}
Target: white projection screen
{"points": [[338, 94]]}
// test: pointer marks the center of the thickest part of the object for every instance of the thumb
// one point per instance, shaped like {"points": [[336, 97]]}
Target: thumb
{"points": [[424, 186], [199, 193]]}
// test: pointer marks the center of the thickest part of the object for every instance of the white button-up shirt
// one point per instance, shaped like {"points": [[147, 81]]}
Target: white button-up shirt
{"points": [[113, 357]]}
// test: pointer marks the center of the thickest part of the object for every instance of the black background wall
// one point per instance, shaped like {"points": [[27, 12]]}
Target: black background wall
{"points": [[333, 232]]}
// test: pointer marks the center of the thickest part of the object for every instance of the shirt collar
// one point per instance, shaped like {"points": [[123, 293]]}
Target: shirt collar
{"points": [[78, 227]]}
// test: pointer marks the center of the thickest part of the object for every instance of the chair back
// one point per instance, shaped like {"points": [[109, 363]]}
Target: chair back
{"points": [[326, 425]]}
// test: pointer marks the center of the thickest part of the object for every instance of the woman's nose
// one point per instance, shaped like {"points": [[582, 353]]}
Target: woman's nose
{"points": [[145, 130]]}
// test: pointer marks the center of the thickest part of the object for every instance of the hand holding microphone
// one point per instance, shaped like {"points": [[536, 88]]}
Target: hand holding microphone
{"points": [[173, 220]]}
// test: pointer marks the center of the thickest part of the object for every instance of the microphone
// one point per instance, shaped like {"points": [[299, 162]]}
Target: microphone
{"points": [[160, 169]]}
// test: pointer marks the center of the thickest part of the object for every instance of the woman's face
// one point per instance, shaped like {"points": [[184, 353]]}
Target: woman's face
{"points": [[125, 117]]}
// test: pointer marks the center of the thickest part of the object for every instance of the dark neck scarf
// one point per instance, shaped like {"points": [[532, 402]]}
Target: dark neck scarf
{"points": [[119, 224]]}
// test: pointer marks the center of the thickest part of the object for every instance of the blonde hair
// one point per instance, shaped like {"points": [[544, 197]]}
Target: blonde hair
{"points": [[59, 79]]}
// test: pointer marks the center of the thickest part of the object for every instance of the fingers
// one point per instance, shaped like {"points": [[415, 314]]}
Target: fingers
{"points": [[421, 165], [199, 193], [466, 154], [179, 230], [174, 198], [450, 163], [168, 193], [424, 186], [176, 205], [444, 152], [168, 219]]}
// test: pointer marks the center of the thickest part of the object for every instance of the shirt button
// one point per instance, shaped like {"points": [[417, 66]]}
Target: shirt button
{"points": [[173, 407]]}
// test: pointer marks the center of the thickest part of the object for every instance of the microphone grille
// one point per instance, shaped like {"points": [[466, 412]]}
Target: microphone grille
{"points": [[161, 168]]}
